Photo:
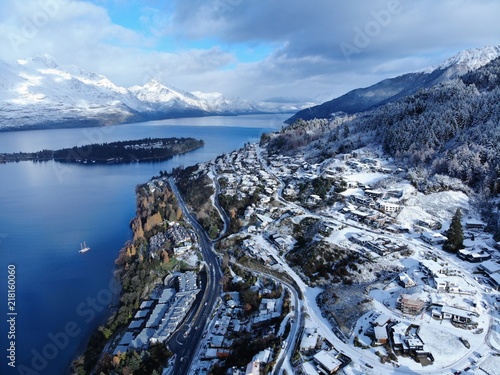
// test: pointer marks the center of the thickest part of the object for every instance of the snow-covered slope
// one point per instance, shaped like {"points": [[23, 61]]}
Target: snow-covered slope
{"points": [[396, 88], [219, 103], [472, 59], [38, 92]]}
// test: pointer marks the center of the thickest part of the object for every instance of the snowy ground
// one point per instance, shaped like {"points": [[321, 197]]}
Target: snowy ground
{"points": [[367, 178], [491, 364], [376, 290], [442, 340], [438, 206]]}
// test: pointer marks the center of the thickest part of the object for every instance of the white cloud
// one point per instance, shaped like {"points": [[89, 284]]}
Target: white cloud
{"points": [[66, 29], [195, 44]]}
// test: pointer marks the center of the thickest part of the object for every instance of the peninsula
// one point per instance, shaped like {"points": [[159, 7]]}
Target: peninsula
{"points": [[147, 149]]}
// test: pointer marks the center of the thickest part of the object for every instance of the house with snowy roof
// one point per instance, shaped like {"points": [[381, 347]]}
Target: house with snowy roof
{"points": [[389, 207], [381, 335], [475, 224], [454, 314], [495, 280], [253, 368], [381, 320], [327, 362], [433, 238], [405, 338], [473, 255], [309, 339], [431, 268], [406, 281], [489, 267], [264, 356]]}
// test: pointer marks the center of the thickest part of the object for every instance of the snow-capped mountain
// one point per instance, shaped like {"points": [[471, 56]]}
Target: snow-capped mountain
{"points": [[38, 92], [392, 89], [472, 59]]}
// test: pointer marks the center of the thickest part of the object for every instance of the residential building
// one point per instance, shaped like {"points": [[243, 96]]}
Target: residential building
{"points": [[381, 335], [433, 238], [474, 224], [406, 341], [388, 207], [453, 314], [253, 368], [410, 304], [327, 361], [381, 320], [309, 339], [406, 281], [489, 267], [473, 255]]}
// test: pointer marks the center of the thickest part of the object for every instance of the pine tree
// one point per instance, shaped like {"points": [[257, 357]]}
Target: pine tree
{"points": [[455, 234]]}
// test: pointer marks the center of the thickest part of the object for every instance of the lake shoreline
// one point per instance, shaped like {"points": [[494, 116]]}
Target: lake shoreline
{"points": [[49, 208], [124, 152]]}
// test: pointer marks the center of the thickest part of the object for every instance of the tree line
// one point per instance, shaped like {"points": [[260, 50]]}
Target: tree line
{"points": [[147, 149]]}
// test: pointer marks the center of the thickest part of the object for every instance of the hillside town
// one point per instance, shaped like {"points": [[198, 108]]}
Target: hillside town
{"points": [[398, 302], [412, 290]]}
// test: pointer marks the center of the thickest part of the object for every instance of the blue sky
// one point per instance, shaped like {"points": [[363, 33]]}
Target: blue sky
{"points": [[144, 17], [254, 49]]}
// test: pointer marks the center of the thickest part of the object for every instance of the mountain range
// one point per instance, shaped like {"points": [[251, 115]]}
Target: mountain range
{"points": [[39, 93], [392, 89], [443, 136]]}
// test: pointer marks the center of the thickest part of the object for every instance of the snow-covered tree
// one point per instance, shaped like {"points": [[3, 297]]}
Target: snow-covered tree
{"points": [[455, 234]]}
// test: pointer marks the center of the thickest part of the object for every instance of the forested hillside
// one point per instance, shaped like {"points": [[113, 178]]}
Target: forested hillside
{"points": [[446, 136]]}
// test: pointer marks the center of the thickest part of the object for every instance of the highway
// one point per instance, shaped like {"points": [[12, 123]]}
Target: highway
{"points": [[184, 342], [193, 329]]}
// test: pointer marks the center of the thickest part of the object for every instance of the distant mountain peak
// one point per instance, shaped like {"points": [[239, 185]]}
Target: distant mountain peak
{"points": [[472, 58], [155, 82], [45, 60], [392, 89], [38, 92]]}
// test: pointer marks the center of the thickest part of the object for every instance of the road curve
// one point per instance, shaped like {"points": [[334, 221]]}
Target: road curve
{"points": [[185, 347]]}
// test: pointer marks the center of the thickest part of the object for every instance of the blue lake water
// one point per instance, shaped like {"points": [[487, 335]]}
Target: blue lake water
{"points": [[46, 211]]}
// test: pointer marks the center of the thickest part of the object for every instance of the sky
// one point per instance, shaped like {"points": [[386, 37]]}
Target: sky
{"points": [[279, 50]]}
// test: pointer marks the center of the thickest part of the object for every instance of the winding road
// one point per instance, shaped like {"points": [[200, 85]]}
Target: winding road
{"points": [[187, 339], [184, 342]]}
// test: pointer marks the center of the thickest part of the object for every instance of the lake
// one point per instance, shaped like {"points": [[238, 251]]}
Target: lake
{"points": [[48, 209]]}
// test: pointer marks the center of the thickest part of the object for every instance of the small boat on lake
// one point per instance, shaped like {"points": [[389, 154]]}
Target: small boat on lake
{"points": [[83, 248]]}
